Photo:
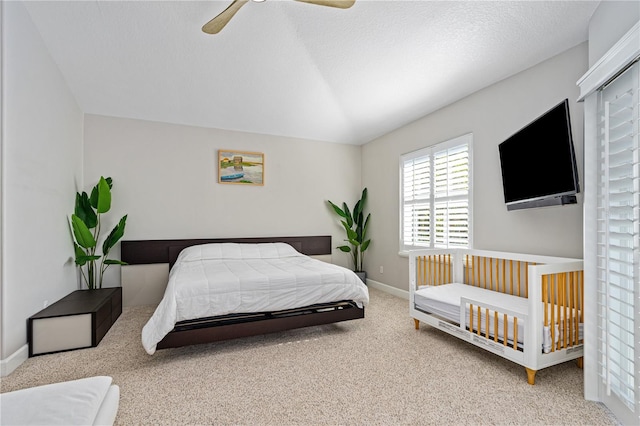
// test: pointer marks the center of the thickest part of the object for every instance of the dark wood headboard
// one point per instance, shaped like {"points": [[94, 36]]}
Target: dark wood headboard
{"points": [[143, 252]]}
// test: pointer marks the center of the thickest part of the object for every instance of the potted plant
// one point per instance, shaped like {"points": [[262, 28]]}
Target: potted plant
{"points": [[355, 225], [85, 223]]}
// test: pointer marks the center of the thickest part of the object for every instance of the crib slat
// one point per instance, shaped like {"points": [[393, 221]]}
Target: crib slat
{"points": [[571, 313], [466, 270], [520, 278], [553, 322], [486, 314], [498, 275], [495, 326], [479, 319], [471, 317], [565, 322], [434, 269], [426, 263], [545, 299], [506, 328], [526, 280], [485, 272], [515, 333], [445, 267], [581, 284], [433, 266], [491, 273], [578, 305], [511, 275], [560, 309]]}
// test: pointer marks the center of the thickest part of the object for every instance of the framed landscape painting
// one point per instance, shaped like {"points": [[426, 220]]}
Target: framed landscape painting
{"points": [[240, 167]]}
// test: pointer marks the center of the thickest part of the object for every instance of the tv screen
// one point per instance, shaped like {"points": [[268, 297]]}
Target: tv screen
{"points": [[538, 162]]}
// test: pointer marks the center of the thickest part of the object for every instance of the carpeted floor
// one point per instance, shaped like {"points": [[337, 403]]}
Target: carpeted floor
{"points": [[377, 370]]}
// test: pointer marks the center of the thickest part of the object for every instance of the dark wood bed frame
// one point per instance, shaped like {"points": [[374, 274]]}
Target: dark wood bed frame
{"points": [[213, 329]]}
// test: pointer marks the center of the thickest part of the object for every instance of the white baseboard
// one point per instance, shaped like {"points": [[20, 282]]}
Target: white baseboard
{"points": [[388, 289], [14, 360]]}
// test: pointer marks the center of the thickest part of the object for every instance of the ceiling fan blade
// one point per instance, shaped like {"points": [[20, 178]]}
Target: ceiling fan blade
{"points": [[216, 24], [342, 4]]}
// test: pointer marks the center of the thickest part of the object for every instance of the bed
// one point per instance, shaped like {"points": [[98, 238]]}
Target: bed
{"points": [[228, 288], [526, 308]]}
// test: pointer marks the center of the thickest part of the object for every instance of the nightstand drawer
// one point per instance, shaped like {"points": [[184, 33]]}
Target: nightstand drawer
{"points": [[61, 333]]}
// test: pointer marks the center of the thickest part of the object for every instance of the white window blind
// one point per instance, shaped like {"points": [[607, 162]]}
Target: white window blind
{"points": [[436, 196], [618, 241]]}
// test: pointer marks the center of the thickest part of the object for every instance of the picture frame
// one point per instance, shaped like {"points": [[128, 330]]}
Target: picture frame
{"points": [[240, 167]]}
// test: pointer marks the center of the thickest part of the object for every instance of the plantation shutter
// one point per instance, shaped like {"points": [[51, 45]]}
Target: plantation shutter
{"points": [[618, 244], [417, 195], [435, 196]]}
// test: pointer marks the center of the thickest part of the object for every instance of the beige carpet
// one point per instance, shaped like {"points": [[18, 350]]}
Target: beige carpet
{"points": [[377, 370]]}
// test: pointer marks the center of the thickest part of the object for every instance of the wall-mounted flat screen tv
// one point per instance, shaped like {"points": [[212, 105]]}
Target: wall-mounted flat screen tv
{"points": [[538, 162]]}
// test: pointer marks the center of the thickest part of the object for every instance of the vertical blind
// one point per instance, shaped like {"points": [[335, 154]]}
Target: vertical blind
{"points": [[435, 196], [618, 239]]}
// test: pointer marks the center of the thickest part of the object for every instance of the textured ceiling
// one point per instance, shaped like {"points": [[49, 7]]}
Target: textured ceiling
{"points": [[294, 69]]}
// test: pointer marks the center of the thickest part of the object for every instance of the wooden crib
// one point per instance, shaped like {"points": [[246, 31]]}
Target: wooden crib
{"points": [[525, 308]]}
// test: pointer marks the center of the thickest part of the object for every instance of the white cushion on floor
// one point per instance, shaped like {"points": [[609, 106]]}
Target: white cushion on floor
{"points": [[75, 402]]}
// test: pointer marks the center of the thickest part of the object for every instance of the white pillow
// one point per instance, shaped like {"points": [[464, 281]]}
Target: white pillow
{"points": [[237, 251]]}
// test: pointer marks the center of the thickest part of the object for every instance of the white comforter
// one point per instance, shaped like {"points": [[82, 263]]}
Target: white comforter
{"points": [[217, 279]]}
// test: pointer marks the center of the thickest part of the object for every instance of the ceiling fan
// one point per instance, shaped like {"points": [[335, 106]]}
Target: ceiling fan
{"points": [[216, 24]]}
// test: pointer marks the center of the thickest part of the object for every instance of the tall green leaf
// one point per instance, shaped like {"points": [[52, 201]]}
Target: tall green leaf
{"points": [[81, 232], [365, 227], [84, 210], [82, 260], [357, 209], [114, 236], [337, 209], [104, 196], [114, 262], [347, 214]]}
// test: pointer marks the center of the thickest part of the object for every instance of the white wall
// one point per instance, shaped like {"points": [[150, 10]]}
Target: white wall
{"points": [[492, 115], [165, 179], [41, 164], [610, 21]]}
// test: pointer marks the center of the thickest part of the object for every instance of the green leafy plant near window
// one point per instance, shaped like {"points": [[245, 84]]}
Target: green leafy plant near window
{"points": [[86, 223], [355, 226]]}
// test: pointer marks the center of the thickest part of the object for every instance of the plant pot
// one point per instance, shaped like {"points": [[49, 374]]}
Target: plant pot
{"points": [[362, 275]]}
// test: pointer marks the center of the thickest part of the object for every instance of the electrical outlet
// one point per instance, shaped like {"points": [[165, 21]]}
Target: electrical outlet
{"points": [[382, 270]]}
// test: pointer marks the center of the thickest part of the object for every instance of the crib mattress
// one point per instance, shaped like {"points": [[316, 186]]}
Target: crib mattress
{"points": [[444, 301]]}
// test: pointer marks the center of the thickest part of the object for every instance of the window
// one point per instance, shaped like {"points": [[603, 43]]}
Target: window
{"points": [[617, 245], [435, 196]]}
